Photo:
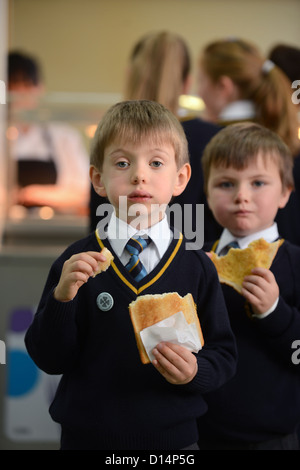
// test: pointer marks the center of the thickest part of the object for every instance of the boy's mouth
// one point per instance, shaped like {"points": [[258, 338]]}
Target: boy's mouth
{"points": [[139, 196], [242, 212]]}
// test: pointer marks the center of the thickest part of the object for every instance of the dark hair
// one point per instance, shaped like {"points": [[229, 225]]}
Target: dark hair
{"points": [[238, 144], [288, 59], [23, 68]]}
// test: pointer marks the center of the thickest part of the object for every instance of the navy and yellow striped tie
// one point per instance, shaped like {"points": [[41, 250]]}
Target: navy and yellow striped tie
{"points": [[233, 244], [135, 246]]}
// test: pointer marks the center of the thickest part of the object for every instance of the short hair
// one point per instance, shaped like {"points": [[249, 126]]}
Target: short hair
{"points": [[238, 144], [23, 68], [137, 120]]}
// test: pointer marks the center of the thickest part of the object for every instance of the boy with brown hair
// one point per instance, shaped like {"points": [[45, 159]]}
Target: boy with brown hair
{"points": [[248, 174], [107, 398]]}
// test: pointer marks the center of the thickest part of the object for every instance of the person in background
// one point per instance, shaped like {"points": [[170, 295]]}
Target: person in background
{"points": [[159, 69], [248, 176], [238, 84], [287, 58], [50, 158]]}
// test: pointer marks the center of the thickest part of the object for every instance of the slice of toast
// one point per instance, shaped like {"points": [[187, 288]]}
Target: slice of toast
{"points": [[233, 267], [104, 265], [149, 309]]}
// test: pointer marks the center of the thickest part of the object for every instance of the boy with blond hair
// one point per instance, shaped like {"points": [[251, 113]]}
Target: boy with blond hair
{"points": [[248, 175], [107, 398]]}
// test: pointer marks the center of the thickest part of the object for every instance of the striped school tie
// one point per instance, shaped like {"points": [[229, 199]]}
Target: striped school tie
{"points": [[233, 244], [135, 246], [226, 248]]}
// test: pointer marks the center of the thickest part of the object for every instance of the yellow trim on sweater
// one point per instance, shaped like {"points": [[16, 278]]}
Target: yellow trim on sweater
{"points": [[214, 247], [153, 280]]}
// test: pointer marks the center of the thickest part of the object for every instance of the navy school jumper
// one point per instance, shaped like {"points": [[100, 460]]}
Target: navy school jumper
{"points": [[262, 401], [107, 399]]}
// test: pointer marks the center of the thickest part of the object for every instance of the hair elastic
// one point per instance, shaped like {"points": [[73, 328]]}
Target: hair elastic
{"points": [[267, 66]]}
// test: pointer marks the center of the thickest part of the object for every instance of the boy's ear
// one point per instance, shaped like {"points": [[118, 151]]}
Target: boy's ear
{"points": [[183, 177], [284, 197], [96, 180]]}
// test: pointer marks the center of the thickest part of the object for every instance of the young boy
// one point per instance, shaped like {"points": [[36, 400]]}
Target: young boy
{"points": [[107, 399], [248, 174]]}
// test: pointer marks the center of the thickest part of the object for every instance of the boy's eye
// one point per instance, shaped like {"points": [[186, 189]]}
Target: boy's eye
{"points": [[226, 184], [122, 164], [156, 164], [258, 183]]}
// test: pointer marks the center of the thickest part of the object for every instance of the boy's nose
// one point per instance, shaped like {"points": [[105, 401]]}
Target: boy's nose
{"points": [[242, 194], [137, 177]]}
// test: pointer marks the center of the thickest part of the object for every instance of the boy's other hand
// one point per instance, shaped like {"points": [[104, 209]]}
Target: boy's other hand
{"points": [[76, 272], [177, 364], [260, 289]]}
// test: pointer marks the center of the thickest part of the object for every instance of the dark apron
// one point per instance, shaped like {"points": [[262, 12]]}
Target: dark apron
{"points": [[33, 171]]}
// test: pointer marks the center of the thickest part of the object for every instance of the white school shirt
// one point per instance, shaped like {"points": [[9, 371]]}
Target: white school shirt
{"points": [[270, 234], [119, 232]]}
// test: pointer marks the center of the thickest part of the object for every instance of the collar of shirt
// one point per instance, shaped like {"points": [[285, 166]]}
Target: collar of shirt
{"points": [[241, 109], [119, 232], [270, 234]]}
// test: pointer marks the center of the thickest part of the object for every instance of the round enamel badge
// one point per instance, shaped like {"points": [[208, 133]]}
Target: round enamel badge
{"points": [[105, 301]]}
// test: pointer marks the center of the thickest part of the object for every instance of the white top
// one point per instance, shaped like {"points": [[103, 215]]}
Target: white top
{"points": [[67, 151], [238, 110]]}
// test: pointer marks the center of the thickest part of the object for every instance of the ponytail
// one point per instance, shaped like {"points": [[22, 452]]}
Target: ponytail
{"points": [[159, 66], [258, 80], [275, 109]]}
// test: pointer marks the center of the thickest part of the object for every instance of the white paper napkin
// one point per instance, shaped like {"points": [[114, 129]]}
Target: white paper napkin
{"points": [[174, 329]]}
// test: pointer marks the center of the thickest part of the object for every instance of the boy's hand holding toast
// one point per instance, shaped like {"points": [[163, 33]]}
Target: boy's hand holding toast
{"points": [[175, 363], [260, 289], [247, 271]]}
